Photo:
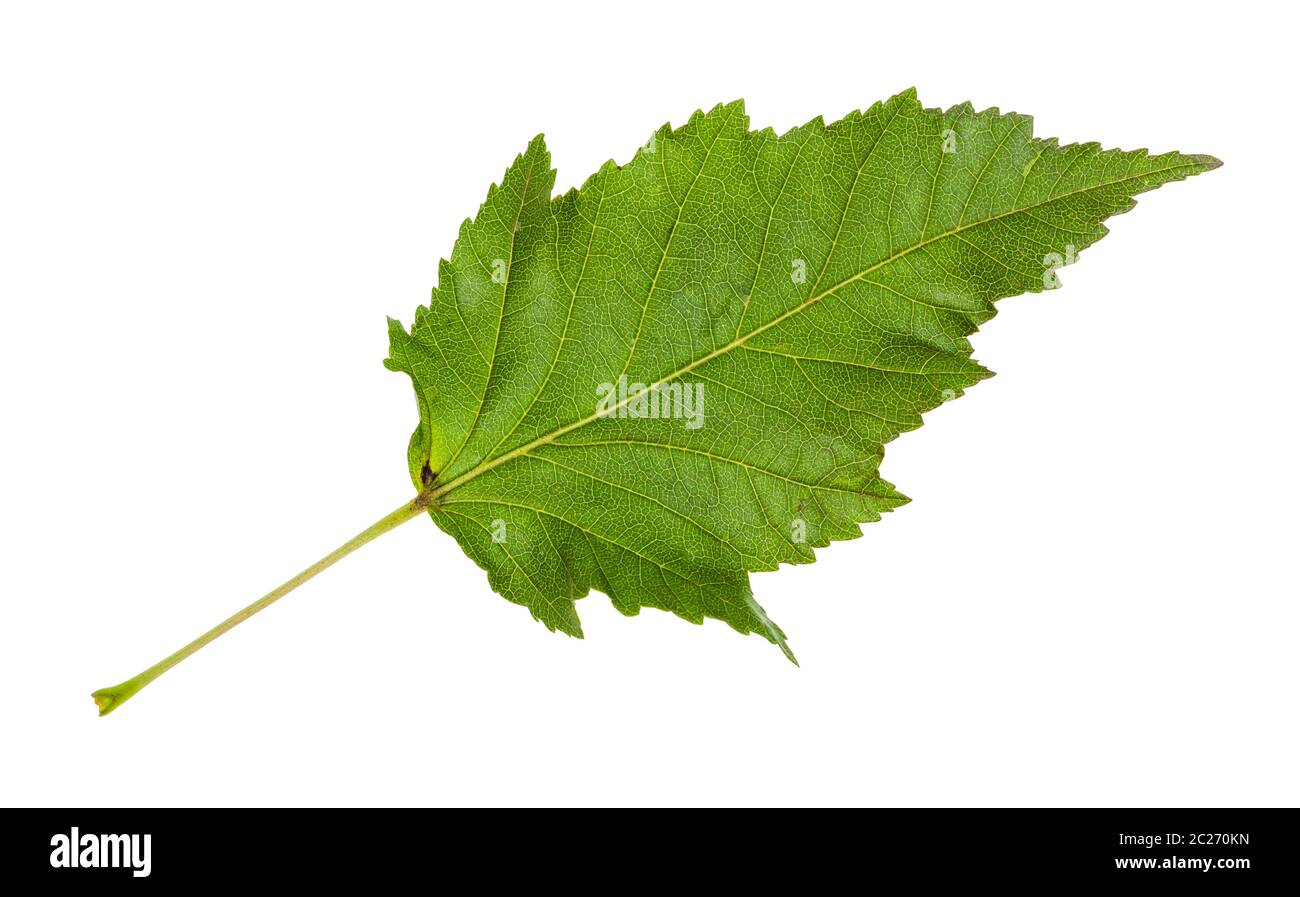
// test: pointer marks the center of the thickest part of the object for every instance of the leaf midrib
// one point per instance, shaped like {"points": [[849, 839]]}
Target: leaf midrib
{"points": [[489, 464]]}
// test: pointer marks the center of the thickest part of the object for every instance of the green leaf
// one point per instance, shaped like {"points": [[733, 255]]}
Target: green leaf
{"points": [[790, 304], [688, 369]]}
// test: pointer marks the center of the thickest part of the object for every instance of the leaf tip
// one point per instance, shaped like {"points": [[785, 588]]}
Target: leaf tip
{"points": [[1207, 163], [768, 629]]}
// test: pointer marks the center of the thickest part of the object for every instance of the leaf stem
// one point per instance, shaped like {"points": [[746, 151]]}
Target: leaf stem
{"points": [[108, 699]]}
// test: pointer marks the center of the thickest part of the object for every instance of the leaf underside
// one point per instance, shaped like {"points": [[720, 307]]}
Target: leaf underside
{"points": [[820, 286]]}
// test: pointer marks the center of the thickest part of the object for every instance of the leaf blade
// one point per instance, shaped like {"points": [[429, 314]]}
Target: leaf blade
{"points": [[819, 288]]}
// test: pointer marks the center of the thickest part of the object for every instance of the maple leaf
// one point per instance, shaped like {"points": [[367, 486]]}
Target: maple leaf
{"points": [[687, 370]]}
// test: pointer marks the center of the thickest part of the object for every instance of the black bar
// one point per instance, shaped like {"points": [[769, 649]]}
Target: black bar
{"points": [[1174, 848]]}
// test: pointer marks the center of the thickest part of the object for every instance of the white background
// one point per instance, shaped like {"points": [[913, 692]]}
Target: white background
{"points": [[206, 215]]}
